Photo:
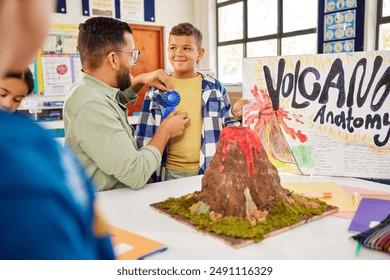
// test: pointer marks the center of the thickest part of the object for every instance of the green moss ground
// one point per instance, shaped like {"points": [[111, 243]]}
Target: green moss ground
{"points": [[281, 217]]}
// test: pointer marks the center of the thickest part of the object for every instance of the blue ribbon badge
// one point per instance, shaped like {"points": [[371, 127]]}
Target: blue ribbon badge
{"points": [[172, 99]]}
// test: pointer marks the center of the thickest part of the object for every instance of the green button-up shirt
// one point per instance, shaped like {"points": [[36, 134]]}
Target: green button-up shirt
{"points": [[97, 130]]}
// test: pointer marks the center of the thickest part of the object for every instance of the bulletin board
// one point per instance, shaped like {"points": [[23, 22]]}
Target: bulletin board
{"points": [[340, 26], [326, 114], [126, 10], [57, 64]]}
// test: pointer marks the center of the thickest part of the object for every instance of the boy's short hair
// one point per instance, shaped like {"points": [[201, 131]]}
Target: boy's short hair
{"points": [[26, 76], [187, 29], [97, 37]]}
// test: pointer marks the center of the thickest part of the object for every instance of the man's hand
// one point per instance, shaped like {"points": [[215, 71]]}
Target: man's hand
{"points": [[172, 126], [175, 123], [237, 107], [158, 79]]}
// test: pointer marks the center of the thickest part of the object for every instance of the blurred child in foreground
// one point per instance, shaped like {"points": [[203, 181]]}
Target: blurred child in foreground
{"points": [[47, 202]]}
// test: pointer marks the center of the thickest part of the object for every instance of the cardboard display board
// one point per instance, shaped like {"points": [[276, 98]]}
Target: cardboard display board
{"points": [[324, 114]]}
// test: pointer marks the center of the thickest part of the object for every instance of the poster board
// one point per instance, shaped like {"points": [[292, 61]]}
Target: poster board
{"points": [[127, 10], [340, 26], [58, 62], [325, 114]]}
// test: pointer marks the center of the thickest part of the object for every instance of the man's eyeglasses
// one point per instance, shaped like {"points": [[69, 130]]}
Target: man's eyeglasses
{"points": [[134, 54]]}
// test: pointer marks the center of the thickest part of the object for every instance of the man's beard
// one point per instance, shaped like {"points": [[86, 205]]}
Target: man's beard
{"points": [[123, 79]]}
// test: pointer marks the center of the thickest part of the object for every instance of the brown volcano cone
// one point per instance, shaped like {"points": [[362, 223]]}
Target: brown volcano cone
{"points": [[240, 179]]}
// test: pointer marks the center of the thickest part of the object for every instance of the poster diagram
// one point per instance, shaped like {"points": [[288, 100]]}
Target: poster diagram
{"points": [[322, 115], [105, 8], [57, 74], [128, 10], [339, 46], [333, 6], [132, 10], [53, 42], [340, 26], [58, 62]]}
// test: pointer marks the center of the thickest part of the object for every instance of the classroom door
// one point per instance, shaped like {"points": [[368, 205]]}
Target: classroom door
{"points": [[150, 41]]}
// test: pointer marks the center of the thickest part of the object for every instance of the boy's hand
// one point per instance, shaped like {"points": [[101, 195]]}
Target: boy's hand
{"points": [[237, 107]]}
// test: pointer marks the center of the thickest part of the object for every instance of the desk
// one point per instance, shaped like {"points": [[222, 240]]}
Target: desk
{"points": [[324, 239], [133, 120], [57, 127]]}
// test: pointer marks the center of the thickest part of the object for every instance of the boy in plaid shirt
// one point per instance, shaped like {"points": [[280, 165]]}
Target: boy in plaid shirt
{"points": [[201, 96]]}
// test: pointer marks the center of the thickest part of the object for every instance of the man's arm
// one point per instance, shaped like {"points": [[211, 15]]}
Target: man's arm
{"points": [[107, 143], [158, 79]]}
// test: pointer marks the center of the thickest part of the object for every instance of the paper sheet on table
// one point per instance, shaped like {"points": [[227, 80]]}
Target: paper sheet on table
{"points": [[131, 246], [340, 198]]}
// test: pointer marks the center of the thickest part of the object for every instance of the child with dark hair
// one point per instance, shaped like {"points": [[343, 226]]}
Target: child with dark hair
{"points": [[204, 99], [14, 88]]}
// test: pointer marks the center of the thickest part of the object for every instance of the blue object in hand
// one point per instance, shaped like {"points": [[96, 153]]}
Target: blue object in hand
{"points": [[172, 99]]}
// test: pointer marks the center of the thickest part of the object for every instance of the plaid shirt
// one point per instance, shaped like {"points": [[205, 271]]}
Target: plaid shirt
{"points": [[216, 114]]}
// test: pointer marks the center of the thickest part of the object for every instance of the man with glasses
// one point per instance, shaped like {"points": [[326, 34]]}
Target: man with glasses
{"points": [[96, 126], [134, 55]]}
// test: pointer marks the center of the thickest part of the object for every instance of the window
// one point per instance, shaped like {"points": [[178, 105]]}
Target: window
{"points": [[383, 26], [256, 28]]}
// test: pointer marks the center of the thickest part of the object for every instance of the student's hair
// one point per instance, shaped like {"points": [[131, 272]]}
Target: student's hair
{"points": [[187, 29], [26, 76], [99, 36]]}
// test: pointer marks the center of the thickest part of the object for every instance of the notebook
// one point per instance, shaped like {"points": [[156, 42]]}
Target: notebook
{"points": [[370, 213], [131, 246]]}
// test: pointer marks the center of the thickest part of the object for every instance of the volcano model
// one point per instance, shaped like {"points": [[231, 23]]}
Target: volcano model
{"points": [[241, 200], [240, 180]]}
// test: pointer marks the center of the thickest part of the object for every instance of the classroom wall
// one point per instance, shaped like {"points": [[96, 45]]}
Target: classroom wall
{"points": [[202, 14], [167, 13]]}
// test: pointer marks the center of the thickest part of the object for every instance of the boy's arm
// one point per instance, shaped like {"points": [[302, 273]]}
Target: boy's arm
{"points": [[229, 119]]}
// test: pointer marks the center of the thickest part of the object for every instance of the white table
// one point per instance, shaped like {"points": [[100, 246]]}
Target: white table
{"points": [[323, 239]]}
